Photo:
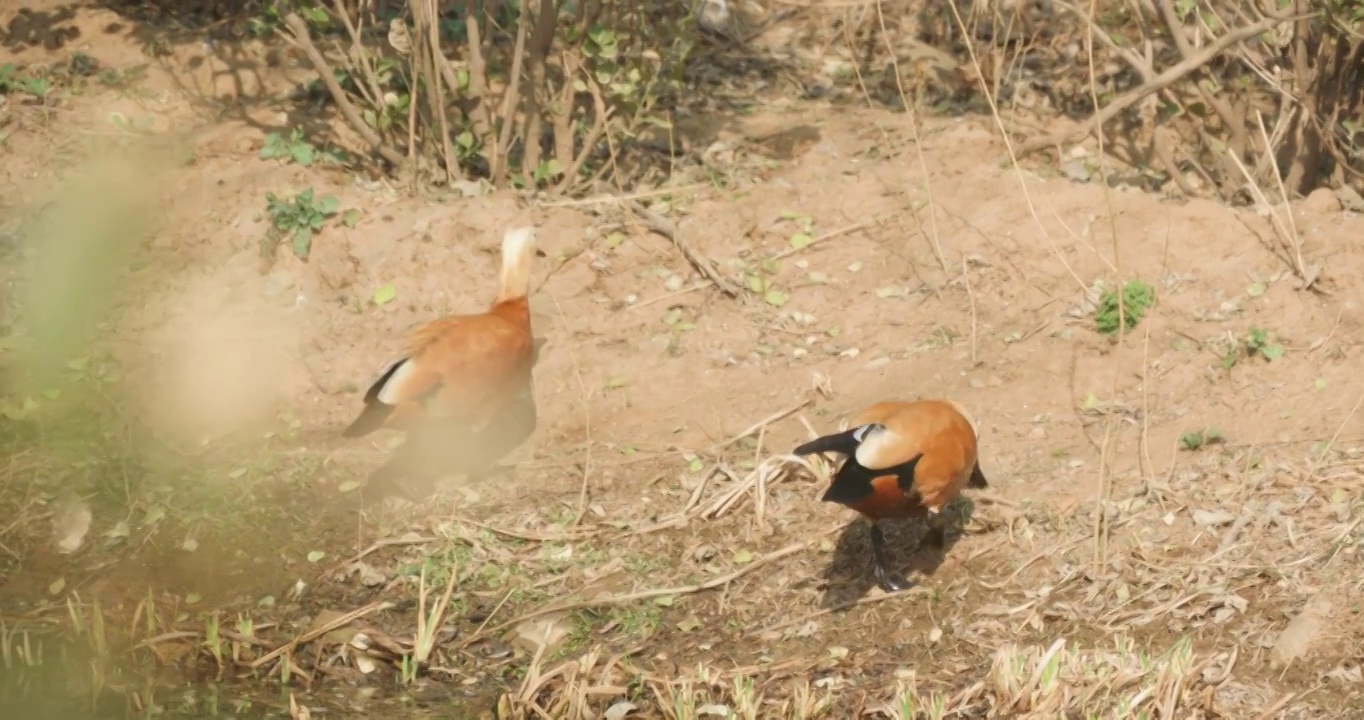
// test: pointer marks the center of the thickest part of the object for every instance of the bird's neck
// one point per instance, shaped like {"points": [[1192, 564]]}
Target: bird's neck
{"points": [[516, 311]]}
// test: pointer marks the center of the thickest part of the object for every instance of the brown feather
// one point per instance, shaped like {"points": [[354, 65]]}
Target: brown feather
{"points": [[452, 446], [937, 429], [886, 500], [465, 366]]}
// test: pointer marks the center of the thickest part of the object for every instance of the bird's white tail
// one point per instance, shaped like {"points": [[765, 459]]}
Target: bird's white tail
{"points": [[518, 250]]}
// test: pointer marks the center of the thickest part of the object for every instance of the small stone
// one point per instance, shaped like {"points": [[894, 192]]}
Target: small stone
{"points": [[1076, 171], [1322, 201]]}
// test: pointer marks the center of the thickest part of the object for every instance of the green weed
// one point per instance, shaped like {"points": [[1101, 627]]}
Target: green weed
{"points": [[1137, 298], [1199, 438], [300, 217]]}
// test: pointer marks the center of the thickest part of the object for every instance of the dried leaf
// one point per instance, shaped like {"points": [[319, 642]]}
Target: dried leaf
{"points": [[1212, 518], [1302, 631], [364, 664], [369, 577], [70, 523], [385, 294], [618, 710]]}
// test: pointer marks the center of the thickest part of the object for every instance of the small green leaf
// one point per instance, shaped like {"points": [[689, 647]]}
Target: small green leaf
{"points": [[1321, 383], [328, 204], [57, 586], [1256, 289], [385, 294], [615, 239], [302, 154], [618, 381], [775, 298], [691, 624], [664, 601], [1272, 352], [890, 291], [800, 240], [316, 555], [695, 465], [192, 599], [743, 557], [756, 284], [350, 217], [303, 242], [673, 316], [348, 486]]}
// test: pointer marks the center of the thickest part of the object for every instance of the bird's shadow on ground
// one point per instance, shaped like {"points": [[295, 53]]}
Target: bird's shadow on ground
{"points": [[849, 576]]}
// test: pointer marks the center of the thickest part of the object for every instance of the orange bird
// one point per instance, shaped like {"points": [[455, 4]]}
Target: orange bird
{"points": [[461, 366], [904, 459], [440, 446]]}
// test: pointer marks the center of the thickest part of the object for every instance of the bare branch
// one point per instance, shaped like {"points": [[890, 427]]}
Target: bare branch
{"points": [[299, 28]]}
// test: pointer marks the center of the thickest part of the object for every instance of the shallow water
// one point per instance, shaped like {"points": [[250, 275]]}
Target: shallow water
{"points": [[62, 682]]}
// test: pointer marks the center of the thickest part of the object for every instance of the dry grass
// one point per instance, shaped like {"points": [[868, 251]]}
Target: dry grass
{"points": [[672, 611]]}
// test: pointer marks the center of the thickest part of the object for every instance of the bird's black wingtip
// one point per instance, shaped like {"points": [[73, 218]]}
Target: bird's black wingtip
{"points": [[843, 442], [371, 419], [978, 480]]}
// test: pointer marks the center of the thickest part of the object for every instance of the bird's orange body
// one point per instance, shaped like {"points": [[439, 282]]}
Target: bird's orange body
{"points": [[935, 430], [469, 364], [457, 374], [439, 446], [904, 459]]}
